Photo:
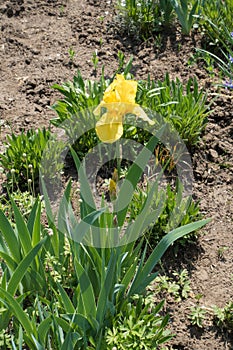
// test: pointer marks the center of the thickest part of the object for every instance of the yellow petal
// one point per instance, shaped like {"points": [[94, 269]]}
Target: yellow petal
{"points": [[121, 90], [127, 91], [110, 96], [110, 126], [137, 110], [116, 110], [109, 129]]}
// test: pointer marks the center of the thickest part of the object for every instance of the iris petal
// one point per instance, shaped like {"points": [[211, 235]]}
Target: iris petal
{"points": [[118, 100], [109, 129]]}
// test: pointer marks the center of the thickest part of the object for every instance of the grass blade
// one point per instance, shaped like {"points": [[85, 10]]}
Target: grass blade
{"points": [[36, 228], [11, 263], [69, 307], [22, 229], [70, 341], [139, 282], [43, 329], [51, 219], [133, 176], [105, 290], [86, 288], [23, 267], [17, 310], [10, 237], [84, 185], [32, 215]]}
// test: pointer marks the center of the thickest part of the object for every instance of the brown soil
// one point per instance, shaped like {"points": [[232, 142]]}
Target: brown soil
{"points": [[36, 36]]}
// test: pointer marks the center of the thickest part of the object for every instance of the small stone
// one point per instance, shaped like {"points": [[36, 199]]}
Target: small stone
{"points": [[39, 89], [224, 147], [35, 51], [10, 12], [32, 83], [203, 275], [30, 92], [38, 108], [213, 154], [44, 101], [200, 74]]}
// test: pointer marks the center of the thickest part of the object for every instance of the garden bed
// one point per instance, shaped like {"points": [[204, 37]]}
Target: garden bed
{"points": [[45, 42]]}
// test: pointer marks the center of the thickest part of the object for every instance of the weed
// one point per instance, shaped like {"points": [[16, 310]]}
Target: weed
{"points": [[71, 53], [186, 12], [221, 252], [140, 18], [197, 315], [223, 317], [95, 60], [139, 323], [177, 287]]}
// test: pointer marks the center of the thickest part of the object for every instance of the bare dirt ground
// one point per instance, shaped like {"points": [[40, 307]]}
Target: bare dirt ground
{"points": [[35, 38]]}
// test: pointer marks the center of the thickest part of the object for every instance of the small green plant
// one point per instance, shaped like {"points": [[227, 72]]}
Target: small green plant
{"points": [[224, 60], [95, 60], [177, 286], [5, 339], [167, 11], [198, 297], [164, 284], [186, 12], [121, 61], [20, 159], [71, 53], [184, 282], [139, 325], [170, 216], [24, 200], [140, 18], [197, 315], [216, 21], [185, 108], [54, 270], [223, 317], [22, 156], [209, 65], [221, 252], [101, 41], [61, 11]]}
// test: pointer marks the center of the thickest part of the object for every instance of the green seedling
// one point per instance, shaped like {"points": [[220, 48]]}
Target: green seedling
{"points": [[95, 60], [71, 53], [197, 316]]}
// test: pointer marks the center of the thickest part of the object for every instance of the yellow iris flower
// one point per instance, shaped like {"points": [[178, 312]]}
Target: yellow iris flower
{"points": [[118, 99]]}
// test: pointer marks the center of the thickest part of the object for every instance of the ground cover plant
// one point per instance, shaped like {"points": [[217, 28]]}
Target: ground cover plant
{"points": [[23, 155], [57, 289]]}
